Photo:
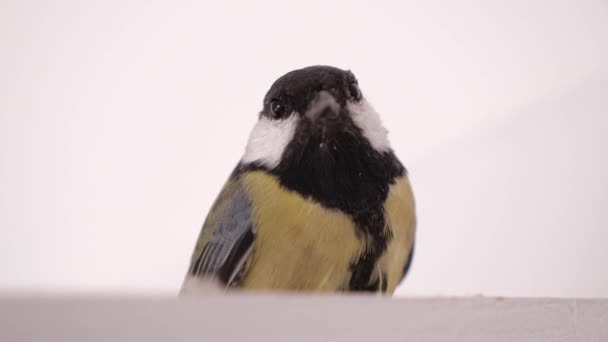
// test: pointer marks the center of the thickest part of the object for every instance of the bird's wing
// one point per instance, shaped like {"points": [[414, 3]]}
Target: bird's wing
{"points": [[226, 241]]}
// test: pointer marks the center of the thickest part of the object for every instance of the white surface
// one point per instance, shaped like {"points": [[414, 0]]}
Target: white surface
{"points": [[120, 120], [257, 318]]}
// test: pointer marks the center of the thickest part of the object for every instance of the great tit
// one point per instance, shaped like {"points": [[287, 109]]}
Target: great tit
{"points": [[318, 203]]}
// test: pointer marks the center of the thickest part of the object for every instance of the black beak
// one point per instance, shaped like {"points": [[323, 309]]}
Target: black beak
{"points": [[323, 106]]}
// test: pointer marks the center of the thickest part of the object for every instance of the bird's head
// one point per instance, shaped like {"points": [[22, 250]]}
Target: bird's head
{"points": [[318, 115]]}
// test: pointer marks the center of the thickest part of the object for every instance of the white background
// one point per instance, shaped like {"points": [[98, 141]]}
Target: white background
{"points": [[120, 120]]}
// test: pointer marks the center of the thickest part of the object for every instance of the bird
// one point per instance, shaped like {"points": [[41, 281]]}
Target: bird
{"points": [[318, 203]]}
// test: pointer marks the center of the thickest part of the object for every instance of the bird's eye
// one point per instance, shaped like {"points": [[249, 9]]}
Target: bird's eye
{"points": [[354, 91], [277, 109]]}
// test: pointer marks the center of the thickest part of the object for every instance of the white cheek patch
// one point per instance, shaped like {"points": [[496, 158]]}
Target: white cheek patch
{"points": [[368, 120], [268, 140]]}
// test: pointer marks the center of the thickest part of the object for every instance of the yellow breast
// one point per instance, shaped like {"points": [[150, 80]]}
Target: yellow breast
{"points": [[300, 245]]}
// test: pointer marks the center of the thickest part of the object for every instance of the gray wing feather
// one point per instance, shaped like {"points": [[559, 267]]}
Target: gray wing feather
{"points": [[231, 243]]}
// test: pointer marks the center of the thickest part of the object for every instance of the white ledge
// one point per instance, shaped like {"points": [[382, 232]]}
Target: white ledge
{"points": [[300, 318]]}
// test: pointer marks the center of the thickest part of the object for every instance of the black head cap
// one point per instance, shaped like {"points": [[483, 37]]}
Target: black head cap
{"points": [[297, 88]]}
